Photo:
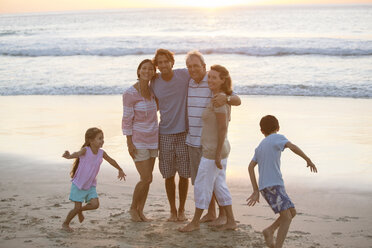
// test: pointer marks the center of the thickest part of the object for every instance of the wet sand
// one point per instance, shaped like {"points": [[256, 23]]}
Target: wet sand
{"points": [[333, 206]]}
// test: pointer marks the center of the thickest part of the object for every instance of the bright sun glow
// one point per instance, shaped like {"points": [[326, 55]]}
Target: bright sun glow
{"points": [[212, 3]]}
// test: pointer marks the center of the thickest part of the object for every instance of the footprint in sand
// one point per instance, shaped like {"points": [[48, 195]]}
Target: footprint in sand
{"points": [[347, 218], [116, 215], [8, 200], [300, 232], [156, 205]]}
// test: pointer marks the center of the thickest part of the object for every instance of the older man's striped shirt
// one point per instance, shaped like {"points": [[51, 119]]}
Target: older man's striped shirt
{"points": [[199, 95]]}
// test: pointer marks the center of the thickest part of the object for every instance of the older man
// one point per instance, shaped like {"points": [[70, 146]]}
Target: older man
{"points": [[199, 95]]}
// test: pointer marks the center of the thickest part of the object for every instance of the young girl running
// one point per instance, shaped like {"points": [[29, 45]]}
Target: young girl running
{"points": [[84, 172]]}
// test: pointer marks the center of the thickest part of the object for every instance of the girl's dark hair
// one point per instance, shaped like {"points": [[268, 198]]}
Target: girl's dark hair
{"points": [[90, 134], [269, 124], [224, 75], [143, 62]]}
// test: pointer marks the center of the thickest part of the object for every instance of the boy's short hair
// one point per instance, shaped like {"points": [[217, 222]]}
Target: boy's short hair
{"points": [[269, 124], [166, 53]]}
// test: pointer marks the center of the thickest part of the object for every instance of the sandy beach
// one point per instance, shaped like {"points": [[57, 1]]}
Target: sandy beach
{"points": [[334, 206]]}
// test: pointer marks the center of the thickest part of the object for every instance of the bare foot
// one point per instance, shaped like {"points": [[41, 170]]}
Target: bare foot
{"points": [[172, 217], [181, 216], [189, 227], [269, 238], [67, 228], [221, 220], [208, 218], [143, 218], [81, 217], [228, 226], [134, 216]]}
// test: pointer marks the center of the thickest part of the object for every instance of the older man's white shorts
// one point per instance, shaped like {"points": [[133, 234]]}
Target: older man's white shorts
{"points": [[209, 179]]}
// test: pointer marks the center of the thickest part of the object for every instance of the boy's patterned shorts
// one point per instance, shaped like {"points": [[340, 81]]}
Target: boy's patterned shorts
{"points": [[277, 198], [173, 155]]}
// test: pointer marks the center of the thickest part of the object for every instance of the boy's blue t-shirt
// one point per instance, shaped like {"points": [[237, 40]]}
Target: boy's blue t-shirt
{"points": [[267, 155]]}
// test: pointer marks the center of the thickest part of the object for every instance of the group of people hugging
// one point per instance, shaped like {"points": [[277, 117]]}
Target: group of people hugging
{"points": [[191, 140]]}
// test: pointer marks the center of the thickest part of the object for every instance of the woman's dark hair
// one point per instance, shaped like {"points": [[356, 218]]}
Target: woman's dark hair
{"points": [[143, 62]]}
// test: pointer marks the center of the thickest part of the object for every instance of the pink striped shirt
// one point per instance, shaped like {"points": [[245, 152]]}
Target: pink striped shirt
{"points": [[86, 173], [140, 119]]}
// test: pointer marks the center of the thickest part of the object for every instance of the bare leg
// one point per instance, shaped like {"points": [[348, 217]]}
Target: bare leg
{"points": [[183, 187], [269, 231], [70, 216], [222, 218], [92, 205], [230, 220], [146, 177], [141, 190], [195, 223], [81, 217], [133, 211], [211, 215], [285, 222], [170, 187]]}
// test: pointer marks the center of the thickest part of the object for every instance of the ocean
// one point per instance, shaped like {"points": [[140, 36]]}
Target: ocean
{"points": [[287, 51], [311, 66]]}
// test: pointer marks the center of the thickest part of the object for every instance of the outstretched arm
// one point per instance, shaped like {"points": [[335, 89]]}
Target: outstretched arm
{"points": [[111, 161], [255, 197], [300, 153], [67, 154]]}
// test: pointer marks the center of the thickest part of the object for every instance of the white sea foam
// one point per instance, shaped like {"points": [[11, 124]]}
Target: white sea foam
{"points": [[122, 46], [305, 51], [352, 91]]}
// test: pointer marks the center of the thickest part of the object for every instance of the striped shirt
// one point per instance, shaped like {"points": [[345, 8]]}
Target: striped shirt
{"points": [[199, 95], [140, 119]]}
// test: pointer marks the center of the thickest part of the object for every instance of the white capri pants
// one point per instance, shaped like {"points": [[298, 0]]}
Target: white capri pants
{"points": [[209, 179]]}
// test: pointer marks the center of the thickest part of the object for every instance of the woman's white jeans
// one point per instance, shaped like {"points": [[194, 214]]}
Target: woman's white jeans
{"points": [[208, 180]]}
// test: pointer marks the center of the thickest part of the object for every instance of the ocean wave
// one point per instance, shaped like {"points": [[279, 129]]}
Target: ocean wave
{"points": [[349, 91], [7, 33], [247, 51]]}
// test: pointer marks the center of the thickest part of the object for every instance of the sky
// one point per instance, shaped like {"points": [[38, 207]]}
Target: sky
{"points": [[22, 6]]}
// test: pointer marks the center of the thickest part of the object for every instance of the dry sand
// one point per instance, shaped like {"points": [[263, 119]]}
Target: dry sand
{"points": [[334, 207], [34, 203]]}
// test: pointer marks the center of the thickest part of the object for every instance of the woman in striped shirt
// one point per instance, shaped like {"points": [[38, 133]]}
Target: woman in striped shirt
{"points": [[140, 125]]}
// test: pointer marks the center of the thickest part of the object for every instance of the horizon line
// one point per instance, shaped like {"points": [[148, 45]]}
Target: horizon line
{"points": [[190, 7]]}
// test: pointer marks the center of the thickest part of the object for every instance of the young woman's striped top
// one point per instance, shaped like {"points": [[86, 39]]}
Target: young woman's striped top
{"points": [[140, 119]]}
